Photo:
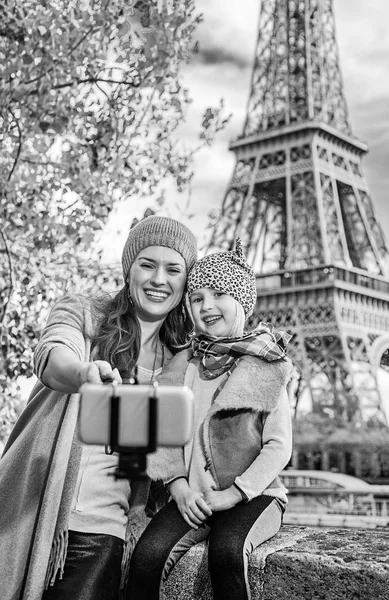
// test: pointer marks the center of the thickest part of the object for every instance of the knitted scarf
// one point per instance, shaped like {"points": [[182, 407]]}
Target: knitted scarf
{"points": [[219, 354]]}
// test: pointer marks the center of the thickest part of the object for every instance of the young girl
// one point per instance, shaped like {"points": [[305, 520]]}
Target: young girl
{"points": [[224, 485]]}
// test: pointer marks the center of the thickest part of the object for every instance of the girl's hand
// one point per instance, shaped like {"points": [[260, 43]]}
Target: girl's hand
{"points": [[222, 500], [99, 371], [191, 504]]}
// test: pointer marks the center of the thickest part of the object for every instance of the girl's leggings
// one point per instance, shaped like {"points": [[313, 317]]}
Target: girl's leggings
{"points": [[233, 534]]}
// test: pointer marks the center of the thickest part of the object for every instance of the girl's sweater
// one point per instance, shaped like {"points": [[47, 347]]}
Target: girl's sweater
{"points": [[199, 478], [266, 467], [257, 390]]}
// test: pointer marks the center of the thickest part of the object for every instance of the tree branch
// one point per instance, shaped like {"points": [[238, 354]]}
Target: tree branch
{"points": [[11, 280], [94, 80], [69, 205], [19, 146], [139, 123], [43, 163]]}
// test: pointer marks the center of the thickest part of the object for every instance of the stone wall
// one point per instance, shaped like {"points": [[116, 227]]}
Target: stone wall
{"points": [[299, 563]]}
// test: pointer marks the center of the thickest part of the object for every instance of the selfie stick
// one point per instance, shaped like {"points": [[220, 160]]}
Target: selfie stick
{"points": [[133, 459]]}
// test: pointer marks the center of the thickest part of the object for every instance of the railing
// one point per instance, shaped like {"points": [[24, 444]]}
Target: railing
{"points": [[337, 507], [320, 275], [333, 520]]}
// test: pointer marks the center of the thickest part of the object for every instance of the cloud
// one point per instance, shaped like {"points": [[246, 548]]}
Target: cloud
{"points": [[222, 69], [220, 56], [364, 48], [228, 31]]}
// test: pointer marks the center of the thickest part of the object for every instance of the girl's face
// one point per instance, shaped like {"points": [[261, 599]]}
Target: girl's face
{"points": [[157, 280], [214, 312]]}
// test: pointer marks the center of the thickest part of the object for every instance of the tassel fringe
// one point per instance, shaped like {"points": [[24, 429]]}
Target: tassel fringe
{"points": [[129, 546], [57, 558]]}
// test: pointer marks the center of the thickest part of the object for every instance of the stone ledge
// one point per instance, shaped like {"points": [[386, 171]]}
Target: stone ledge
{"points": [[299, 563]]}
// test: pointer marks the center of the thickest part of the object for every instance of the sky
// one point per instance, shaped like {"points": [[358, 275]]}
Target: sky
{"points": [[222, 69]]}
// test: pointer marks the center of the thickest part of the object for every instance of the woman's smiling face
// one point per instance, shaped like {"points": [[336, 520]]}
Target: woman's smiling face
{"points": [[213, 312], [157, 281]]}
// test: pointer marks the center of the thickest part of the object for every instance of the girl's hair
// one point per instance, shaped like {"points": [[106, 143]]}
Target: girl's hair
{"points": [[118, 336]]}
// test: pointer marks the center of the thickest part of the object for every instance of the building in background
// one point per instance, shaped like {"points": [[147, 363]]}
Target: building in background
{"points": [[300, 203]]}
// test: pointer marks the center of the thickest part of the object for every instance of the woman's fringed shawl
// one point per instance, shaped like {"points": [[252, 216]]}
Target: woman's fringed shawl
{"points": [[38, 474], [57, 557]]}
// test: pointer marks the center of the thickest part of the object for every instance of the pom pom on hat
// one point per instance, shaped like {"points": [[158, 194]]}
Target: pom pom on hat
{"points": [[228, 272], [159, 231]]}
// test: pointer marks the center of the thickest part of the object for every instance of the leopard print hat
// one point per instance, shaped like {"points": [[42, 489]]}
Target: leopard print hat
{"points": [[227, 272]]}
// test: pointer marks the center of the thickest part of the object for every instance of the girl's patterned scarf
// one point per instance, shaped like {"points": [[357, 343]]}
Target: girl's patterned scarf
{"points": [[219, 354]]}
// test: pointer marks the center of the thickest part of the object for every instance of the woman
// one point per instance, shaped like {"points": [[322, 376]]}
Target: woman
{"points": [[63, 526]]}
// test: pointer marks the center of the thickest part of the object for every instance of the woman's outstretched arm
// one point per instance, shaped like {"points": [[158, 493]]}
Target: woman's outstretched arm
{"points": [[65, 372], [61, 358]]}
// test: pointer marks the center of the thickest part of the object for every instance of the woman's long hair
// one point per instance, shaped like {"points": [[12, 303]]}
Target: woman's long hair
{"points": [[118, 336]]}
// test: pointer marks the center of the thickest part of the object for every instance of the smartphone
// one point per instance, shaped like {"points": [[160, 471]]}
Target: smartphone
{"points": [[174, 420]]}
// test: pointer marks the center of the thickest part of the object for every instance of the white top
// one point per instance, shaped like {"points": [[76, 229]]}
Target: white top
{"points": [[200, 478], [100, 502]]}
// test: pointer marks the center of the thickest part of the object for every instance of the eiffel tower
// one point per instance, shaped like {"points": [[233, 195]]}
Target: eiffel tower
{"points": [[300, 203]]}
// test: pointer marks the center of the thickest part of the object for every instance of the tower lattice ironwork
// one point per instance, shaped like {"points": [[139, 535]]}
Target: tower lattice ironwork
{"points": [[300, 203]]}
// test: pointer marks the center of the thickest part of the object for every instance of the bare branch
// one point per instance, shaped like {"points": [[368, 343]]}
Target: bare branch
{"points": [[19, 145], [11, 280], [43, 163], [77, 201], [94, 80], [139, 123]]}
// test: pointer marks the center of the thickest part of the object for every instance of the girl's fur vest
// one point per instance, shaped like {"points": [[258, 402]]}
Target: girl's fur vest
{"points": [[233, 425]]}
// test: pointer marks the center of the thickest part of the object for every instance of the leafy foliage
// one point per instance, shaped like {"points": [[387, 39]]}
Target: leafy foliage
{"points": [[90, 101]]}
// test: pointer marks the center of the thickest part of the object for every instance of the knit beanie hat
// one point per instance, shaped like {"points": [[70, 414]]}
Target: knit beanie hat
{"points": [[159, 231], [227, 272]]}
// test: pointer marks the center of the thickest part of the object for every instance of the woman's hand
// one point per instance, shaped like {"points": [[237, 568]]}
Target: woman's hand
{"points": [[222, 500], [191, 504], [99, 371]]}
